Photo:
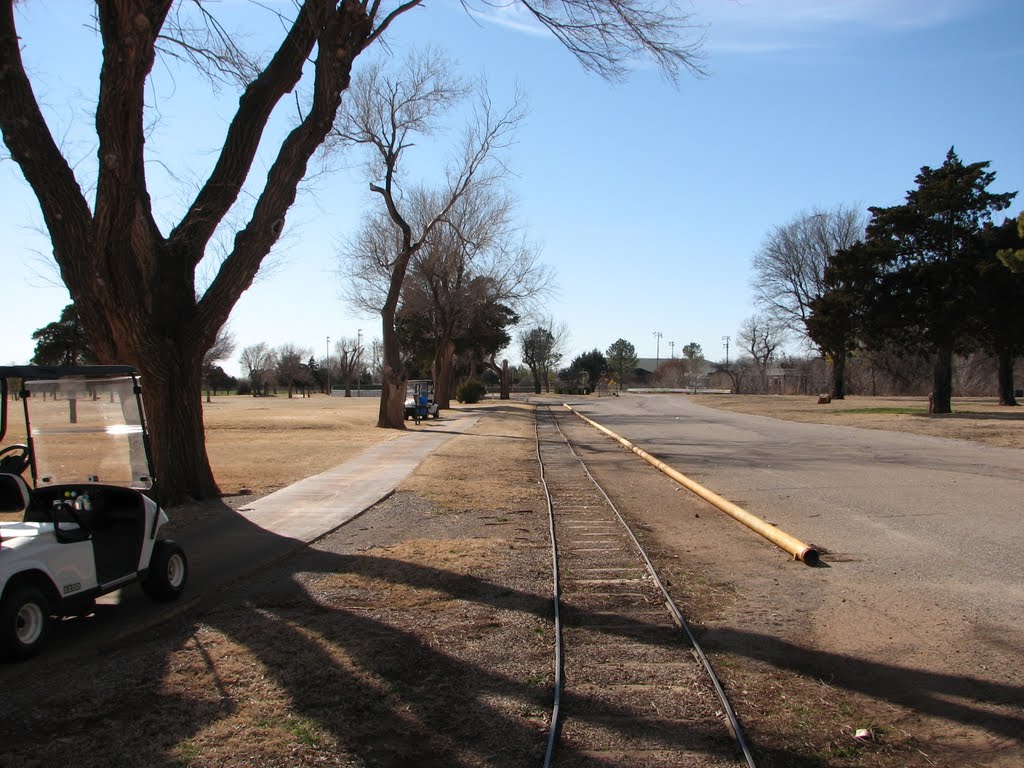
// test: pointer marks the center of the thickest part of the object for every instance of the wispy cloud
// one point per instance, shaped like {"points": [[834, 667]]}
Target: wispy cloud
{"points": [[510, 15], [764, 26]]}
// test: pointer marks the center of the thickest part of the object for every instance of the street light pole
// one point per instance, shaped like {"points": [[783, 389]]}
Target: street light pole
{"points": [[328, 366], [657, 358]]}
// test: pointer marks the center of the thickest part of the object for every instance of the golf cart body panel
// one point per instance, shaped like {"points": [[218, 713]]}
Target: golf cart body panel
{"points": [[88, 524], [33, 547]]}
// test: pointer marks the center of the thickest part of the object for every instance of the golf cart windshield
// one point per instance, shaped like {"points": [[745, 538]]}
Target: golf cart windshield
{"points": [[87, 430], [416, 387]]}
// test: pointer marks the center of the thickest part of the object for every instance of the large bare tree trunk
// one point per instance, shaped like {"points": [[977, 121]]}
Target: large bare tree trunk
{"points": [[393, 379], [392, 398], [537, 384], [177, 436], [1005, 375], [941, 400], [135, 288], [444, 376], [839, 376]]}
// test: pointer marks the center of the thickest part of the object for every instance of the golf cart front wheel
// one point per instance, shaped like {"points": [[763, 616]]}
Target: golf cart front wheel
{"points": [[24, 622], [168, 572]]}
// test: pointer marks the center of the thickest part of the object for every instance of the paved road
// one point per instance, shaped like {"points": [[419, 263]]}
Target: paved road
{"points": [[926, 535], [940, 512]]}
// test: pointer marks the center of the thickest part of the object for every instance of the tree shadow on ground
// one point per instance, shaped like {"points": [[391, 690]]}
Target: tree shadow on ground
{"points": [[405, 702], [1009, 415], [952, 697]]}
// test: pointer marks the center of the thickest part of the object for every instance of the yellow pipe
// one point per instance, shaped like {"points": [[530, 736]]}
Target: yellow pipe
{"points": [[781, 539]]}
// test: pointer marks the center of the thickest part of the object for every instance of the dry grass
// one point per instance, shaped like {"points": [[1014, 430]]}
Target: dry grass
{"points": [[495, 460], [260, 444], [978, 419]]}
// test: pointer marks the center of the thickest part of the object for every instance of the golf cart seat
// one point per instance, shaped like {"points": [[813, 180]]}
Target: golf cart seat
{"points": [[14, 493]]}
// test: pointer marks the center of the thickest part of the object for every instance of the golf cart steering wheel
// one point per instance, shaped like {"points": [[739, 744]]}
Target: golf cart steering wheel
{"points": [[14, 459]]}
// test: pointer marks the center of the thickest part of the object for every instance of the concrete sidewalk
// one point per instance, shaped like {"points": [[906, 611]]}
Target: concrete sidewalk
{"points": [[228, 546], [317, 505]]}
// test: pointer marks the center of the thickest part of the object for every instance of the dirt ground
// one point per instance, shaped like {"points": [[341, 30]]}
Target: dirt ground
{"points": [[419, 634], [976, 419]]}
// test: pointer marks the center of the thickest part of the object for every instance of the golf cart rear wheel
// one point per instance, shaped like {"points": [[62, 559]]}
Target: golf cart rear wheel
{"points": [[168, 572], [24, 622]]}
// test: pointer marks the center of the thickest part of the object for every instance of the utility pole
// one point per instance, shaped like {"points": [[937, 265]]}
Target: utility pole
{"points": [[672, 349], [328, 366], [359, 358], [657, 358], [726, 340]]}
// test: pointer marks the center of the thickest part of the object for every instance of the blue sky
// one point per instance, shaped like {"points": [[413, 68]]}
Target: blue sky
{"points": [[647, 199]]}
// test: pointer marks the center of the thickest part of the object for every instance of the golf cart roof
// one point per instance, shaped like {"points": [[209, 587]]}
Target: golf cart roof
{"points": [[64, 371]]}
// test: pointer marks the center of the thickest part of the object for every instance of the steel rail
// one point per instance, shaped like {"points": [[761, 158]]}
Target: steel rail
{"points": [[557, 598], [698, 652]]}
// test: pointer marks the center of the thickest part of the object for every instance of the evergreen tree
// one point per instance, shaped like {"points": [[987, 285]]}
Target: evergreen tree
{"points": [[999, 321], [622, 360], [837, 318], [592, 363], [62, 342], [927, 286]]}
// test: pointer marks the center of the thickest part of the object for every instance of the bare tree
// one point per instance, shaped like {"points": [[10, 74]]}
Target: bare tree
{"points": [[744, 374], [789, 267], [542, 347], [259, 362], [761, 336], [135, 285], [349, 355], [469, 282], [605, 36], [291, 368], [385, 113]]}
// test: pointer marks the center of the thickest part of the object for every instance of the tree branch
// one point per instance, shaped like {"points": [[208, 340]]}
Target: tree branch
{"points": [[344, 34], [243, 137]]}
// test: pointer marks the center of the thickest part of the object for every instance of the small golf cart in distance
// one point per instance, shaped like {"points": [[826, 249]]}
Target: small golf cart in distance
{"points": [[413, 389], [83, 523]]}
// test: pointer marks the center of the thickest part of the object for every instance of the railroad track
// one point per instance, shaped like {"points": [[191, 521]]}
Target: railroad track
{"points": [[632, 686]]}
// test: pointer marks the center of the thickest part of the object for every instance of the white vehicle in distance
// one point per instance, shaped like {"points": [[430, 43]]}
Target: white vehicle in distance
{"points": [[84, 522], [414, 388]]}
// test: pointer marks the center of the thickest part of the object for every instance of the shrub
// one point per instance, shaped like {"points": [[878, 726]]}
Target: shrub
{"points": [[471, 391]]}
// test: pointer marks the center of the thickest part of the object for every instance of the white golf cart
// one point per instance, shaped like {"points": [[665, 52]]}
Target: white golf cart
{"points": [[84, 524], [414, 388]]}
